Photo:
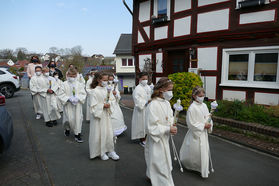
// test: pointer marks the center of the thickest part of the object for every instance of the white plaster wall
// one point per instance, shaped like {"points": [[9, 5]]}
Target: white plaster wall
{"points": [[141, 60], [213, 21], [208, 2], [255, 17], [181, 5], [147, 31], [144, 11], [207, 58], [125, 69], [266, 98], [159, 62], [232, 95], [140, 38], [161, 33], [209, 84], [182, 26]]}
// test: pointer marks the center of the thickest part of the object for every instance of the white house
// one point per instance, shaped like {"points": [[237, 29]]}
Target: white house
{"points": [[124, 62]]}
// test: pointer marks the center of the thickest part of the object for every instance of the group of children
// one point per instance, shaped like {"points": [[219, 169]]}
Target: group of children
{"points": [[153, 124], [152, 121], [52, 97]]}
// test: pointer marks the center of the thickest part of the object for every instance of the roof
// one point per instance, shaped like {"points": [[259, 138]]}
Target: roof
{"points": [[124, 45]]}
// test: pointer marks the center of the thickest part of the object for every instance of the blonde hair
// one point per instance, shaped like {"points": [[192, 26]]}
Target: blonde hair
{"points": [[196, 91], [164, 82], [45, 69], [71, 71]]}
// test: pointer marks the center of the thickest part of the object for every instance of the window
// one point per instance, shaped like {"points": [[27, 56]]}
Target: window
{"points": [[1, 72], [130, 62], [162, 8], [124, 62], [251, 67], [127, 62]]}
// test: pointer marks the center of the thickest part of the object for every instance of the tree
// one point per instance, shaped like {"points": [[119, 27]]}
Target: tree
{"points": [[76, 50], [7, 54], [53, 50], [21, 53]]}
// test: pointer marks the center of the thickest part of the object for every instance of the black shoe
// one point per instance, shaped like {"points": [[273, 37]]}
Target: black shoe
{"points": [[78, 138], [49, 124], [67, 133], [54, 122]]}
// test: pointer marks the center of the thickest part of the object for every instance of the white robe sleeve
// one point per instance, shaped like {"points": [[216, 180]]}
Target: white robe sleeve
{"points": [[155, 129], [33, 87], [96, 106], [193, 124], [63, 95], [81, 94], [138, 99]]}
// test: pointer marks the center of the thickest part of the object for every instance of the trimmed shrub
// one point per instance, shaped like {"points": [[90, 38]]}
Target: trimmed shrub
{"points": [[184, 82]]}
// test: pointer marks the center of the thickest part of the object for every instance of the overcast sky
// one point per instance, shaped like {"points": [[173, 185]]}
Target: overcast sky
{"points": [[40, 24]]}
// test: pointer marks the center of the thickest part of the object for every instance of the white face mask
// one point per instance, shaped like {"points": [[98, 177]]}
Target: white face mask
{"points": [[71, 79], [46, 74], [199, 99], [167, 95], [110, 82], [144, 82], [38, 73], [56, 77], [104, 83]]}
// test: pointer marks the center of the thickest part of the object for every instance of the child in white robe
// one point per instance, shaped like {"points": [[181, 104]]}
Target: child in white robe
{"points": [[159, 121], [194, 152], [117, 118], [100, 133], [50, 109], [38, 91], [141, 97], [88, 91], [72, 96], [58, 84]]}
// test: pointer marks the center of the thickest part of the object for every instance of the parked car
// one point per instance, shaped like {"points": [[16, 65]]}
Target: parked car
{"points": [[6, 126], [9, 83]]}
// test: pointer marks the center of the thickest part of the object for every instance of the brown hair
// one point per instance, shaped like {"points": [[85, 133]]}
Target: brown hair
{"points": [[36, 58], [72, 71], [164, 82], [98, 76], [141, 74], [197, 90]]}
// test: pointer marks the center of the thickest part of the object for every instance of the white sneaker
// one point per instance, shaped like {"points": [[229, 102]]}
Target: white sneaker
{"points": [[104, 157], [113, 156], [38, 116]]}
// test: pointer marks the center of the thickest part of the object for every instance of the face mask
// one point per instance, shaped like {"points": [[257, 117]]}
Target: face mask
{"points": [[46, 74], [52, 65], [167, 95], [71, 79], [104, 83], [144, 82], [35, 61], [110, 82], [56, 77], [38, 73], [199, 99]]}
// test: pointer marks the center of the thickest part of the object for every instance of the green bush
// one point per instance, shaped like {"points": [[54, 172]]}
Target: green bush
{"points": [[247, 112], [184, 82]]}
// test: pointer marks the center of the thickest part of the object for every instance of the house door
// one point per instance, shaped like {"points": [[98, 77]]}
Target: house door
{"points": [[178, 61]]}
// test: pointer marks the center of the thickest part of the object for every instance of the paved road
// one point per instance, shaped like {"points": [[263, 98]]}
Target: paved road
{"points": [[67, 163]]}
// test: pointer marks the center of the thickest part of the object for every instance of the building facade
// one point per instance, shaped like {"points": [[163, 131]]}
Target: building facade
{"points": [[232, 44]]}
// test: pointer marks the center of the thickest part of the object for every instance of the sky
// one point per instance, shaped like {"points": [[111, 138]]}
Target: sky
{"points": [[38, 25]]}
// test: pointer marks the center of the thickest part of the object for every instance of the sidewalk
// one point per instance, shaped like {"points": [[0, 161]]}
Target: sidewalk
{"points": [[267, 144]]}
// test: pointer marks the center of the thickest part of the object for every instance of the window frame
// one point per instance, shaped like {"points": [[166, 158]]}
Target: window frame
{"points": [[122, 62], [155, 9], [252, 51], [127, 62], [237, 1]]}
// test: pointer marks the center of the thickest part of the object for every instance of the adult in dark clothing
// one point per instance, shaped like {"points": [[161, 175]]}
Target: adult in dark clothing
{"points": [[52, 69]]}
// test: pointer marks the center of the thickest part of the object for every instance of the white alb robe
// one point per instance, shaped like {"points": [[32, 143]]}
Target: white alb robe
{"points": [[72, 114], [38, 89], [141, 96], [194, 152], [100, 133], [80, 79], [117, 118], [88, 90], [159, 118], [59, 104], [51, 113]]}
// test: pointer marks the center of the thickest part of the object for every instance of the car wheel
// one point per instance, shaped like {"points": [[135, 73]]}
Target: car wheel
{"points": [[7, 90]]}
